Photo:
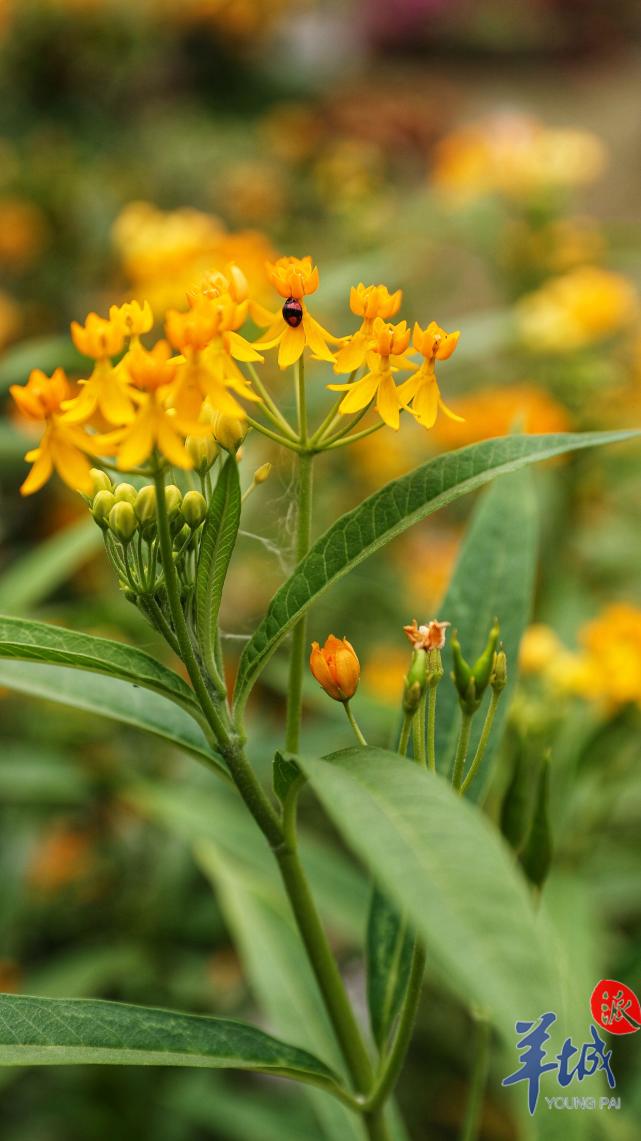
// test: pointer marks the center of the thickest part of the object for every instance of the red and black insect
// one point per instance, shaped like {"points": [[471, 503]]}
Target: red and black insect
{"points": [[293, 312]]}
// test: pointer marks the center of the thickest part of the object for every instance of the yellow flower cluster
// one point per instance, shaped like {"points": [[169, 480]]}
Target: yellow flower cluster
{"points": [[137, 402], [577, 309], [516, 156], [606, 668], [383, 347]]}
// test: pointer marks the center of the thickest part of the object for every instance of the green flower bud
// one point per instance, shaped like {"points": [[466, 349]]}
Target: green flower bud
{"points": [[100, 480], [415, 680], [145, 505], [202, 451], [482, 668], [173, 499], [194, 509], [498, 680], [181, 536], [102, 505], [122, 521], [262, 473], [125, 493], [463, 679], [229, 431]]}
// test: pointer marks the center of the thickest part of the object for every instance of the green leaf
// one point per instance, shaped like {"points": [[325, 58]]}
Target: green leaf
{"points": [[68, 1031], [37, 574], [24, 640], [285, 774], [442, 862], [494, 576], [387, 514], [112, 698], [260, 919], [216, 547], [389, 957]]}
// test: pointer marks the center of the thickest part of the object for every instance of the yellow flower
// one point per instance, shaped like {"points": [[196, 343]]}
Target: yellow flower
{"points": [[62, 447], [611, 657], [368, 302], [421, 390], [132, 318], [576, 310], [385, 354], [516, 156], [98, 337], [294, 328], [105, 392], [206, 335], [155, 424]]}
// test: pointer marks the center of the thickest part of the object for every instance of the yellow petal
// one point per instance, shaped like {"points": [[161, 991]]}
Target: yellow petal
{"points": [[72, 466], [425, 406], [291, 346], [387, 403], [360, 394], [352, 355], [315, 336], [113, 401], [448, 412], [171, 445], [241, 349], [82, 408], [39, 473], [138, 443]]}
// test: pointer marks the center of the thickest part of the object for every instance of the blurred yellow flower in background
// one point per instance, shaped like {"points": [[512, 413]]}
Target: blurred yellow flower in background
{"points": [[498, 411], [164, 253], [578, 309], [606, 668], [514, 155]]}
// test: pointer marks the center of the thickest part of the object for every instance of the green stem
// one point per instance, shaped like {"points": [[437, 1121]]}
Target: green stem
{"points": [[470, 1127], [354, 723], [243, 775], [418, 735], [404, 738], [271, 408], [349, 424], [334, 415], [461, 749], [303, 542], [319, 952], [431, 728], [483, 740], [284, 441], [393, 1063], [344, 441]]}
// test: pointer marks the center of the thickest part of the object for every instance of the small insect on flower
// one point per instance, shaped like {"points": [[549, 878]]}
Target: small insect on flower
{"points": [[292, 312]]}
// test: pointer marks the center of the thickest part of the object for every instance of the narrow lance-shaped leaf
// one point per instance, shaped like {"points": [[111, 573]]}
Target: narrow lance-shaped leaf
{"points": [[387, 514], [494, 577], [24, 640], [110, 697], [216, 547], [389, 956], [61, 1031], [442, 862]]}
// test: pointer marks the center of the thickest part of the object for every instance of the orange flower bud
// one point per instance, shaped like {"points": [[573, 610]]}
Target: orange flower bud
{"points": [[336, 667]]}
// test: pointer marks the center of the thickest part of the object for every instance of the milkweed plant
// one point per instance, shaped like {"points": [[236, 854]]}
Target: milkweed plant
{"points": [[448, 893]]}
